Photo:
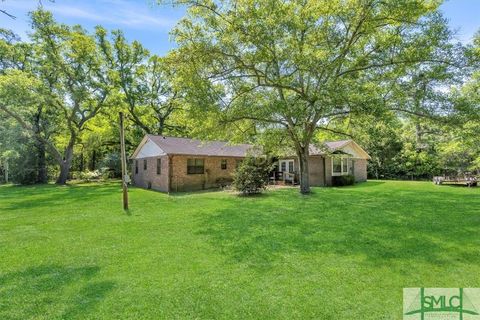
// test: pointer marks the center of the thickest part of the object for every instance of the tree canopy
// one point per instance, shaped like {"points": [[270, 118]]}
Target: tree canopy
{"points": [[280, 74], [299, 65]]}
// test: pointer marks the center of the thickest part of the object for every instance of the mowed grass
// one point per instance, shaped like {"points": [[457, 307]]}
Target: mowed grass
{"points": [[340, 253]]}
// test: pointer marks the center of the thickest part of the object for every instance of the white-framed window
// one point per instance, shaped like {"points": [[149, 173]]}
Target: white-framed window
{"points": [[340, 166], [287, 166]]}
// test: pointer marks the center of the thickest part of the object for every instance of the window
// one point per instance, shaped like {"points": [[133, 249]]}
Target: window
{"points": [[144, 164], [337, 165], [340, 166], [136, 166], [159, 166], [290, 166], [195, 166], [287, 164], [223, 165]]}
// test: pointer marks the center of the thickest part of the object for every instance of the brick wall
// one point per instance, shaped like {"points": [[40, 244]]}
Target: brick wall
{"points": [[360, 170], [149, 178], [181, 181], [316, 174], [328, 171]]}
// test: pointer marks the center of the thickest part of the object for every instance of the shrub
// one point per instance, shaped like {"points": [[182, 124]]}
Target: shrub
{"points": [[88, 176], [339, 181], [108, 173], [251, 176], [223, 182]]}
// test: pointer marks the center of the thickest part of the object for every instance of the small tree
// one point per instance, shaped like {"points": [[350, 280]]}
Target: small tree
{"points": [[251, 176]]}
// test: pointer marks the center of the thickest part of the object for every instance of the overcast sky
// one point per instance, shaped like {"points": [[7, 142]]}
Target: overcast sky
{"points": [[149, 23]]}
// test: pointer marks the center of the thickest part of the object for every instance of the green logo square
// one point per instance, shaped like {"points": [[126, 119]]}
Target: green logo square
{"points": [[441, 303]]}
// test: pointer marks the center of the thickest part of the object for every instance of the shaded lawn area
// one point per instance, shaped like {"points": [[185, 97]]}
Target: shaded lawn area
{"points": [[341, 253]]}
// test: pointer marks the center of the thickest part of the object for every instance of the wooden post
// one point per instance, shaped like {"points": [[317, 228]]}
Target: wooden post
{"points": [[124, 164]]}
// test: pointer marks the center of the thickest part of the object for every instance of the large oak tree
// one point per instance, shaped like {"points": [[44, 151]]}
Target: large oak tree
{"points": [[298, 65], [67, 76]]}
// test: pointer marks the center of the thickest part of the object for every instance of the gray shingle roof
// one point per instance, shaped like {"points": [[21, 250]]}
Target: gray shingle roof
{"points": [[173, 145], [327, 146]]}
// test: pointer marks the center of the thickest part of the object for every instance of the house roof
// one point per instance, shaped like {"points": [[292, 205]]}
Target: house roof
{"points": [[186, 146], [328, 146], [337, 147]]}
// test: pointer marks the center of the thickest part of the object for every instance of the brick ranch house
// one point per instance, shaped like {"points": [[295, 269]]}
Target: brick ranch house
{"points": [[178, 164], [172, 164]]}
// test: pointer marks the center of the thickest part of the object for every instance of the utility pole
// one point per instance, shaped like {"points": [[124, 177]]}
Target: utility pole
{"points": [[125, 178]]}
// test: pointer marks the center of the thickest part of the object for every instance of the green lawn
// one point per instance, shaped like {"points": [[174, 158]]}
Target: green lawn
{"points": [[341, 253]]}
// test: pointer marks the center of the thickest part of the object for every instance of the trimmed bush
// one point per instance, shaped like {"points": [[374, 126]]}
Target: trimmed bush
{"points": [[339, 181], [251, 176]]}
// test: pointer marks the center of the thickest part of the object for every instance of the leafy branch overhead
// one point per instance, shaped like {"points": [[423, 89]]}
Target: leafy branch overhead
{"points": [[301, 65]]}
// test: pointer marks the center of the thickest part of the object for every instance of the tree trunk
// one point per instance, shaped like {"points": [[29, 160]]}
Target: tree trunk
{"points": [[94, 160], [302, 154], [40, 146], [41, 162], [82, 161], [161, 125], [5, 167], [65, 165], [418, 136], [64, 171]]}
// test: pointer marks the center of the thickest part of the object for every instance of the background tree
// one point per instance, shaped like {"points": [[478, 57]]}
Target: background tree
{"points": [[147, 83], [70, 76]]}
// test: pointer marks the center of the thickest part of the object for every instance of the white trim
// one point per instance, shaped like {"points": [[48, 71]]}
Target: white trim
{"points": [[140, 145], [341, 173], [286, 161], [362, 153], [147, 149]]}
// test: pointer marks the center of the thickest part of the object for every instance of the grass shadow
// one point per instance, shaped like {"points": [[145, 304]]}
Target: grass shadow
{"points": [[36, 196], [369, 184], [375, 227], [86, 299], [46, 289]]}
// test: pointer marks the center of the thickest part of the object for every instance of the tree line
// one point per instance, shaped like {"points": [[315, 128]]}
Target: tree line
{"points": [[283, 75]]}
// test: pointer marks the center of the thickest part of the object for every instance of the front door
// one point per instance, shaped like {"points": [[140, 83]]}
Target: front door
{"points": [[287, 166]]}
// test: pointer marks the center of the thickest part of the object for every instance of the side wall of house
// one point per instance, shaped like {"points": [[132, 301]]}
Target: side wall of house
{"points": [[328, 171], [213, 177], [360, 170], [149, 178], [316, 171]]}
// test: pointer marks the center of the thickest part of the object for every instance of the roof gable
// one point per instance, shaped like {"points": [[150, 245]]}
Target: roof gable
{"points": [[147, 148], [355, 150], [345, 146]]}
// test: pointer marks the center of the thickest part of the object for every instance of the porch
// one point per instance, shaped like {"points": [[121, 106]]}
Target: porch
{"points": [[285, 173]]}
